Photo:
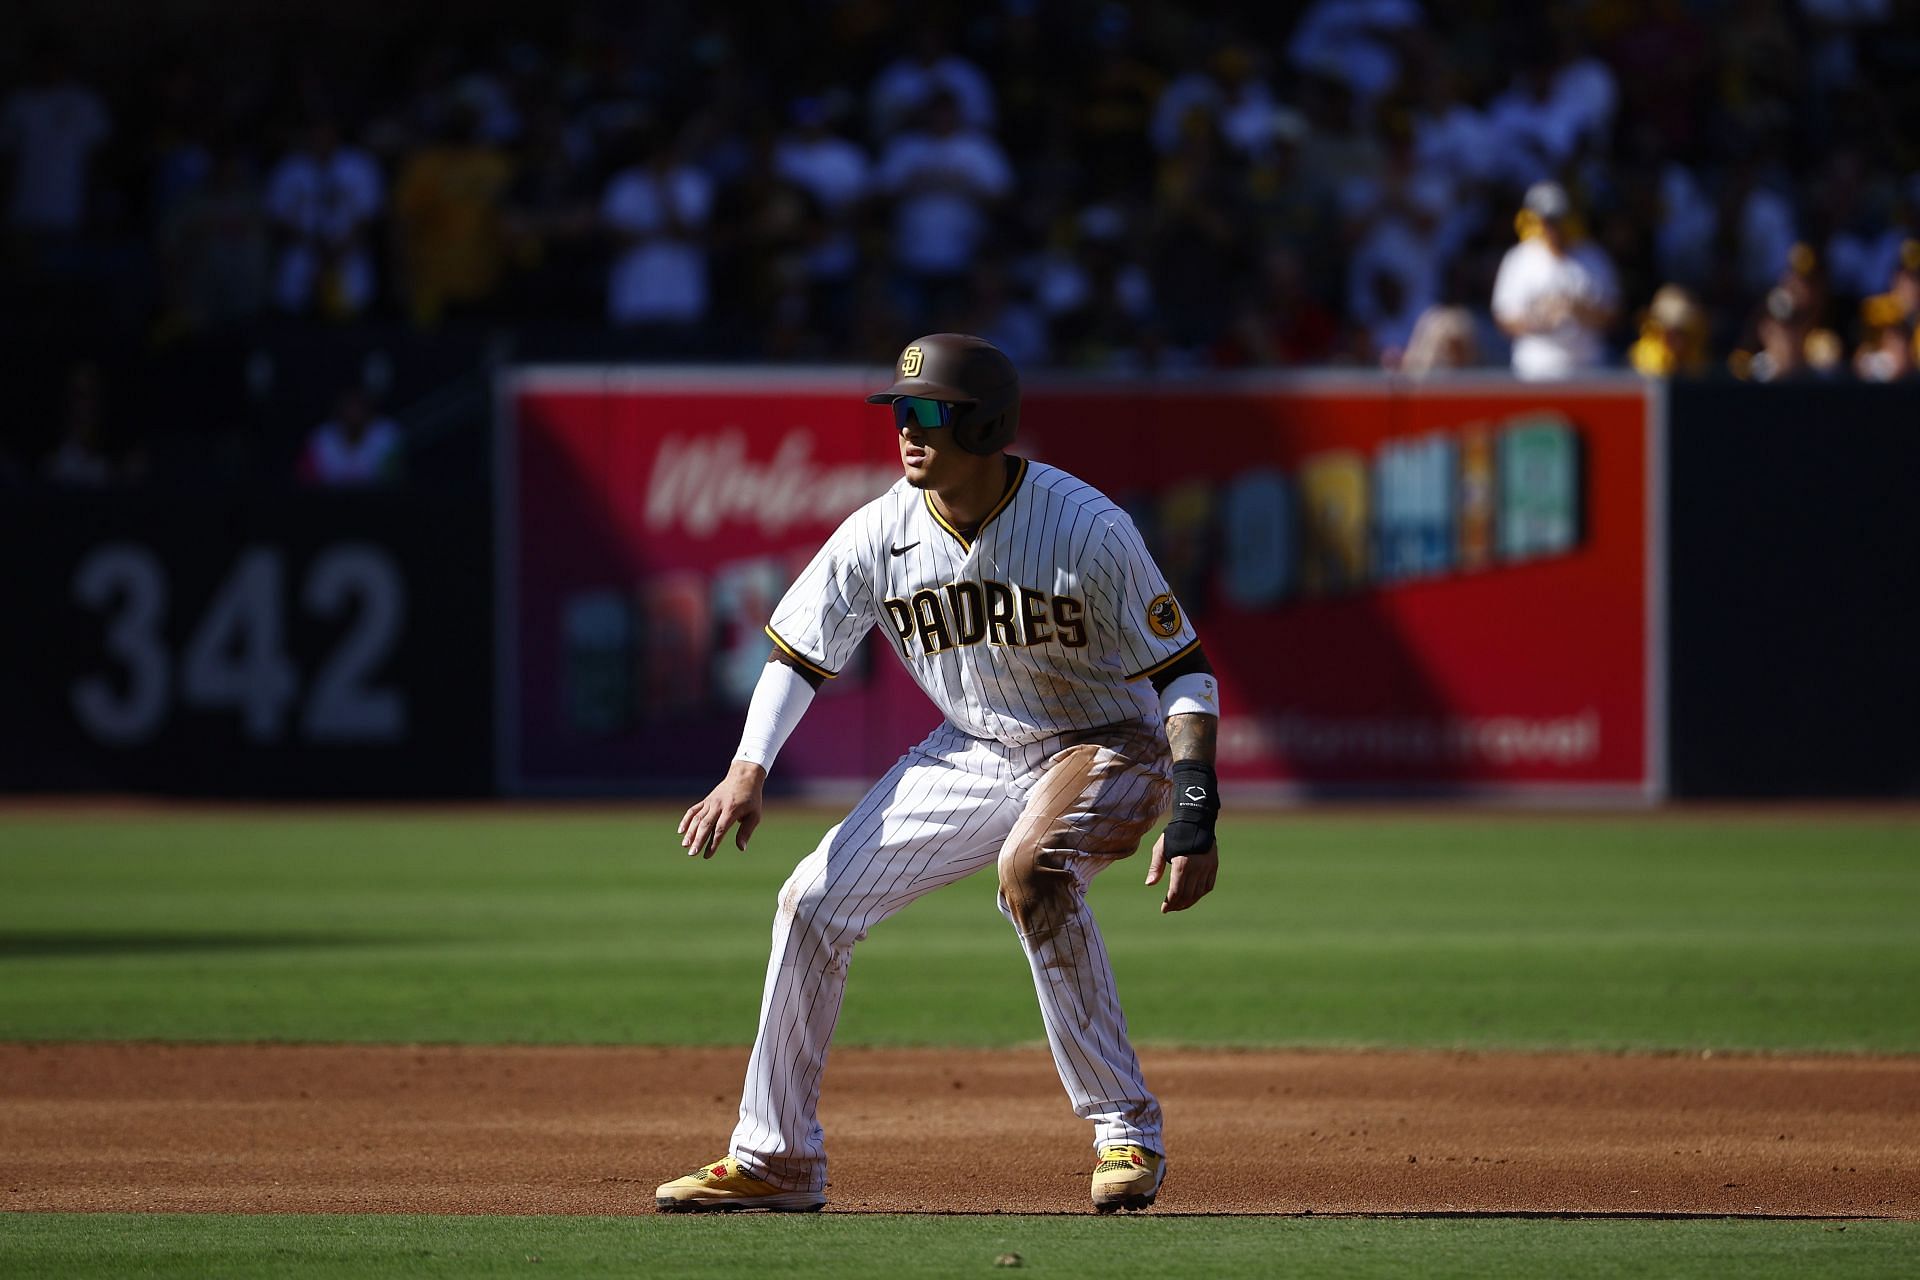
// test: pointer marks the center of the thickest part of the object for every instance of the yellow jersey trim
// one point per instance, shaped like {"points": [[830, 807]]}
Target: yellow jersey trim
{"points": [[1158, 667], [941, 520], [1006, 500], [799, 657]]}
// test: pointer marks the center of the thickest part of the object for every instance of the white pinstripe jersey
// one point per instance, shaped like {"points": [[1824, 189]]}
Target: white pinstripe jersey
{"points": [[1050, 618]]}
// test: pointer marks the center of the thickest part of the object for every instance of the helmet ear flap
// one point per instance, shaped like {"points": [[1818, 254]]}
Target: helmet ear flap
{"points": [[981, 435], [976, 436], [969, 433]]}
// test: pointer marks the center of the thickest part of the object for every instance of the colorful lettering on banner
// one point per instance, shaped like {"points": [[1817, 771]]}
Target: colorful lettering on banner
{"points": [[1540, 489], [1442, 588], [1443, 502], [1333, 489]]}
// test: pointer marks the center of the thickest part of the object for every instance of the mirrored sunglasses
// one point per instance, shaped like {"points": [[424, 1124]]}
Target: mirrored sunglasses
{"points": [[918, 411]]}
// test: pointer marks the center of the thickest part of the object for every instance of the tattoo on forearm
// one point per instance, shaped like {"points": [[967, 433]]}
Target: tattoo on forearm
{"points": [[1193, 736]]}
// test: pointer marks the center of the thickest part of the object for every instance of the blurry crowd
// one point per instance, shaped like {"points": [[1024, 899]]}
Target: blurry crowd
{"points": [[1713, 187]]}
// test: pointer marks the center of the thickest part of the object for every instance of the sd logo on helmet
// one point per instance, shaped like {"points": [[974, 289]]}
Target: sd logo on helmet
{"points": [[968, 373]]}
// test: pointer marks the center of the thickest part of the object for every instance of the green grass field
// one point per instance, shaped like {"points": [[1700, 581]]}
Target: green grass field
{"points": [[557, 926], [544, 927], [194, 1246]]}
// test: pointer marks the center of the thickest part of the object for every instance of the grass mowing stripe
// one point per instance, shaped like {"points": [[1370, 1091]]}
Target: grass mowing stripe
{"points": [[316, 1247], [1640, 931]]}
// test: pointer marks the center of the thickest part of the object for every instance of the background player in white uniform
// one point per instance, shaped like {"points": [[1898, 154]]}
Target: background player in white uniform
{"points": [[1025, 604]]}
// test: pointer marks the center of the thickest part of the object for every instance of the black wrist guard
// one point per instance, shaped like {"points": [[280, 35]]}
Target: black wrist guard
{"points": [[1196, 798]]}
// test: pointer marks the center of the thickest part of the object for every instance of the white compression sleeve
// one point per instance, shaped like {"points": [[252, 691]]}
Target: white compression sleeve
{"points": [[779, 700], [1195, 693]]}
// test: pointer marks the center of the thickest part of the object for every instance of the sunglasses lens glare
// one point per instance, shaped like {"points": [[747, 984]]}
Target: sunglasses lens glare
{"points": [[917, 411]]}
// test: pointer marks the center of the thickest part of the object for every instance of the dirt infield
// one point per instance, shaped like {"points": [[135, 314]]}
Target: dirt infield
{"points": [[343, 1129]]}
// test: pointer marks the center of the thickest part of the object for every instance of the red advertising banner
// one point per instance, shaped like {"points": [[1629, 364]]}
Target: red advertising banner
{"points": [[1406, 587]]}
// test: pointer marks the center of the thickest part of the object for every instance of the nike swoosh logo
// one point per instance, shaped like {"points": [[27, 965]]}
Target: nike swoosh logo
{"points": [[900, 551]]}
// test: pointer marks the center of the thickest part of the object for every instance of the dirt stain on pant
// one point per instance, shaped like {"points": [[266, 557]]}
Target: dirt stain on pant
{"points": [[1093, 804]]}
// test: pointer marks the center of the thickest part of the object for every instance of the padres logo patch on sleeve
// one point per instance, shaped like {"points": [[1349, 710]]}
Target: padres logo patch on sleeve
{"points": [[1163, 615], [910, 363]]}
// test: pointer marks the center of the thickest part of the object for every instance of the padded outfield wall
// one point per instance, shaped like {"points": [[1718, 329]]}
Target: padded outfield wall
{"points": [[245, 642], [1795, 582], [1441, 588], [1454, 588]]}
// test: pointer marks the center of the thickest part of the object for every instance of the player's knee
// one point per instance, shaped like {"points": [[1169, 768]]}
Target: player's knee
{"points": [[788, 903], [815, 903], [804, 900], [804, 892], [1036, 886], [812, 923]]}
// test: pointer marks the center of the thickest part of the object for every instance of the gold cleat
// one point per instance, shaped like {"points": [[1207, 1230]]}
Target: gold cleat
{"points": [[1127, 1177], [722, 1187]]}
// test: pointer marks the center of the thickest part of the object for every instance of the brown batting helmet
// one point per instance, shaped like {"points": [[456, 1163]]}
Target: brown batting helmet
{"points": [[969, 373]]}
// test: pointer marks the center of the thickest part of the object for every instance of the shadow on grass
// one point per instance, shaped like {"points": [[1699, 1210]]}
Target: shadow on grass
{"points": [[29, 946]]}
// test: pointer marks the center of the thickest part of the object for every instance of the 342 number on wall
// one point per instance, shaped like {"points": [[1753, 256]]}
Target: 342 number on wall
{"points": [[236, 657]]}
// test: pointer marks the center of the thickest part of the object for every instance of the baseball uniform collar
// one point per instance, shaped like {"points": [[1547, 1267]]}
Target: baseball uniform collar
{"points": [[1018, 475]]}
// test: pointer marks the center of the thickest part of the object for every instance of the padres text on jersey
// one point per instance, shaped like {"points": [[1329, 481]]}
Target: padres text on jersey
{"points": [[1046, 618]]}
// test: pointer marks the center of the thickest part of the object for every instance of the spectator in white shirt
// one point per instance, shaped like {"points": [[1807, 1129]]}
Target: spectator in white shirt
{"points": [[1193, 91], [1008, 321], [1695, 214], [1449, 135], [53, 127], [1585, 93], [1357, 42], [838, 175], [322, 199], [1768, 227], [1094, 298], [1397, 221], [657, 211], [355, 449], [1689, 222], [1832, 54], [1231, 92], [833, 171], [944, 182], [907, 86], [1392, 279], [1529, 128], [1553, 295], [1863, 256], [1557, 105]]}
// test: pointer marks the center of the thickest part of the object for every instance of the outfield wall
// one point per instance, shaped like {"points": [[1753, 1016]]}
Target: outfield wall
{"points": [[1795, 568], [1446, 588], [1450, 588], [246, 643]]}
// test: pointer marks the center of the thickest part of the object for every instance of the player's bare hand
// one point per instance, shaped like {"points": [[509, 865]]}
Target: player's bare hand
{"points": [[736, 800], [1189, 877]]}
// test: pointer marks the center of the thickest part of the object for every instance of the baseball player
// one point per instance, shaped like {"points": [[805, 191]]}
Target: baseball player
{"points": [[1077, 700]]}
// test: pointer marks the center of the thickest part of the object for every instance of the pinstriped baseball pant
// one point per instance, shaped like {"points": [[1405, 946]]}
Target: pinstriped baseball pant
{"points": [[1052, 815]]}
